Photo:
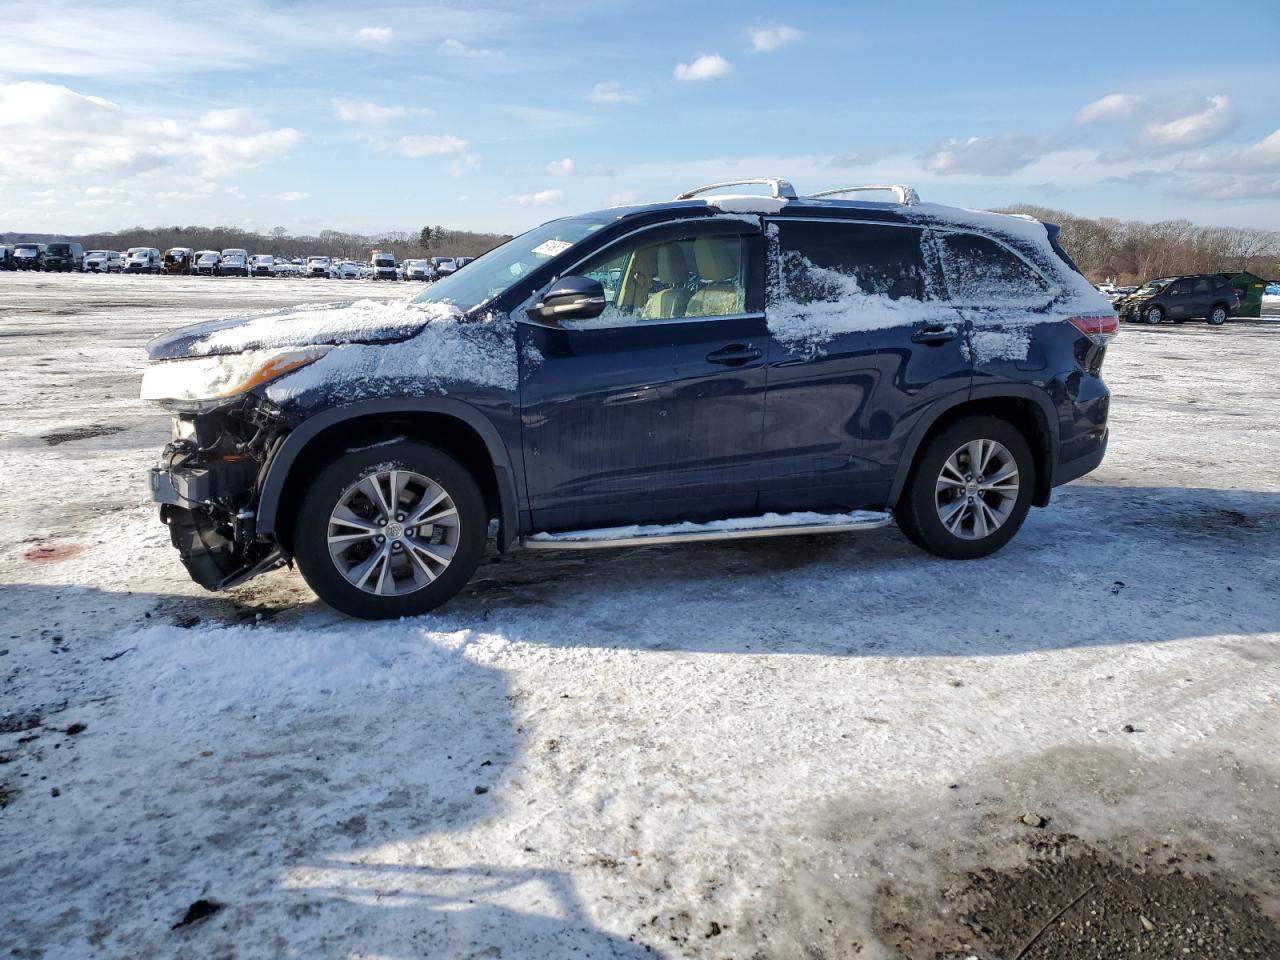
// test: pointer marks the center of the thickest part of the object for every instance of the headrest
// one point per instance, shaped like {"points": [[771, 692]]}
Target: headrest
{"points": [[717, 258], [673, 269]]}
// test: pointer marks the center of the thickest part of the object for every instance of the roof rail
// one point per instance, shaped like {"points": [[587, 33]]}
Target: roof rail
{"points": [[906, 195], [781, 188]]}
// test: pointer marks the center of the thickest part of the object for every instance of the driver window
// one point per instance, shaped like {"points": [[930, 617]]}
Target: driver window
{"points": [[680, 279]]}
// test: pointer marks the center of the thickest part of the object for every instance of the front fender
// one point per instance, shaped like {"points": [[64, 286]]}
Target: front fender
{"points": [[277, 471]]}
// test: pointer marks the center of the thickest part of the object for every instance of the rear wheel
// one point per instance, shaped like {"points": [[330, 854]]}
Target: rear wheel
{"points": [[970, 489], [390, 531], [1217, 316]]}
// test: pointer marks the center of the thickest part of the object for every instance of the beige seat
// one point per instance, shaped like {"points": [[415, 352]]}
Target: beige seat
{"points": [[718, 260], [669, 300]]}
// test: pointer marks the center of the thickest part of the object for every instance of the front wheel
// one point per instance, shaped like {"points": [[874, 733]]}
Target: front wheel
{"points": [[1153, 316], [390, 531], [969, 491], [1218, 316]]}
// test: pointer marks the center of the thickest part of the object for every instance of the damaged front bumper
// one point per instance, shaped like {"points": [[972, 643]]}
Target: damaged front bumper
{"points": [[206, 484]]}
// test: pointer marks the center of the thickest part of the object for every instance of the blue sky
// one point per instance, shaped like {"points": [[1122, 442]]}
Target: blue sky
{"points": [[498, 115]]}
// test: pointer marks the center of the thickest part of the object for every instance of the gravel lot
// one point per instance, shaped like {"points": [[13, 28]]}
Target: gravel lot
{"points": [[822, 747]]}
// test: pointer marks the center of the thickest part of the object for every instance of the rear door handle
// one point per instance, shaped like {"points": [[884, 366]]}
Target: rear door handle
{"points": [[935, 334], [735, 355]]}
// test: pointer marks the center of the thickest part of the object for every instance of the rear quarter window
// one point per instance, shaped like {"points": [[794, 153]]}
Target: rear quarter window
{"points": [[882, 261], [981, 272]]}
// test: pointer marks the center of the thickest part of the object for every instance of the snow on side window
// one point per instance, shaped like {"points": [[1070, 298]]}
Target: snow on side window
{"points": [[835, 278], [982, 273]]}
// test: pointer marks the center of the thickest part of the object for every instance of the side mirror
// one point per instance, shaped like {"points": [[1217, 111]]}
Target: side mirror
{"points": [[570, 298]]}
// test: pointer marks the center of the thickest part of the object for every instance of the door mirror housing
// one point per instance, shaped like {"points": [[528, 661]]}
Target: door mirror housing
{"points": [[569, 298]]}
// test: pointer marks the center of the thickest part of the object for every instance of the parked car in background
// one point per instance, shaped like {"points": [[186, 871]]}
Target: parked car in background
{"points": [[142, 260], [206, 262], [418, 270], [1207, 297], [383, 265], [104, 261], [234, 263], [262, 265], [28, 256], [346, 270], [919, 363], [443, 266], [284, 268], [64, 256], [317, 266], [177, 260], [6, 256], [460, 262]]}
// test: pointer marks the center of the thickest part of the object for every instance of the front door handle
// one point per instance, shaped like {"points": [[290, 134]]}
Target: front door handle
{"points": [[735, 355], [935, 334]]}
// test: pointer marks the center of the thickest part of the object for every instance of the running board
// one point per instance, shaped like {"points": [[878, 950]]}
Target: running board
{"points": [[739, 528]]}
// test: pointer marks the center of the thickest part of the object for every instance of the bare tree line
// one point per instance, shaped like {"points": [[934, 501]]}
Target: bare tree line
{"points": [[441, 241], [1131, 251], [1105, 248]]}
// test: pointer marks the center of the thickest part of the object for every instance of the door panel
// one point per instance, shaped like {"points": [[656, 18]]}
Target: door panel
{"points": [[654, 412], [882, 349]]}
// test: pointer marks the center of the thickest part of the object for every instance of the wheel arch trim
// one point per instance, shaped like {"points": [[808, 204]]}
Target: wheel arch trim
{"points": [[268, 511], [979, 392]]}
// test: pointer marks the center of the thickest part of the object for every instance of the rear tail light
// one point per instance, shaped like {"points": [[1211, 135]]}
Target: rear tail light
{"points": [[1099, 328]]}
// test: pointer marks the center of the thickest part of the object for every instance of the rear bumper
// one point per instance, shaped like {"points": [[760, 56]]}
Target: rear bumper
{"points": [[1075, 468]]}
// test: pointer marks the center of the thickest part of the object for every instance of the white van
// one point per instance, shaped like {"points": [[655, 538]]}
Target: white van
{"points": [[317, 267], [262, 265], [103, 261], [418, 270], [384, 265], [206, 262], [235, 263], [142, 260]]}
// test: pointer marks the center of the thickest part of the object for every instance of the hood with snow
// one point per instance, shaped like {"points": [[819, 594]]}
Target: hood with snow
{"points": [[352, 321]]}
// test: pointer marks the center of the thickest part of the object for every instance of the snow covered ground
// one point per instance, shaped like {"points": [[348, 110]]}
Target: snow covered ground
{"points": [[728, 750]]}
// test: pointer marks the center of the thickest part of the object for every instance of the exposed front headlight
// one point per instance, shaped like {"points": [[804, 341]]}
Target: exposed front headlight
{"points": [[222, 377]]}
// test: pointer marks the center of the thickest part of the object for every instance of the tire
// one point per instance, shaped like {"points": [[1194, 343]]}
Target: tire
{"points": [[934, 490], [1217, 316], [409, 581], [1153, 316]]}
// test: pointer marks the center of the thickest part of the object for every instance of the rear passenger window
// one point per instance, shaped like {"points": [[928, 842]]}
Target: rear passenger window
{"points": [[1202, 285], [981, 272], [820, 261]]}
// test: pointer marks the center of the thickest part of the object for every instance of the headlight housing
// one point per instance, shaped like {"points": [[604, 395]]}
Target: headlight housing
{"points": [[222, 377]]}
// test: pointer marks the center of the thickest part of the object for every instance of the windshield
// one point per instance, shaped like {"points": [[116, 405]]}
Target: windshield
{"points": [[58, 249], [26, 248], [489, 275]]}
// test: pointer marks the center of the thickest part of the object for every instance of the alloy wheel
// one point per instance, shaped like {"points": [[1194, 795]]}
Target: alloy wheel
{"points": [[393, 532], [977, 489]]}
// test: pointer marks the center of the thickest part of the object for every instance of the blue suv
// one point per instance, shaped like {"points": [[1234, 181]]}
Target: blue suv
{"points": [[722, 365]]}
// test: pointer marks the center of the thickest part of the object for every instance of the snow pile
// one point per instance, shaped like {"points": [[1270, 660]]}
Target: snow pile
{"points": [[765, 521], [445, 351], [349, 322], [816, 304]]}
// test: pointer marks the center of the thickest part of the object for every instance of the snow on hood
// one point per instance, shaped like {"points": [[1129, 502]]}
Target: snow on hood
{"points": [[352, 321], [446, 350]]}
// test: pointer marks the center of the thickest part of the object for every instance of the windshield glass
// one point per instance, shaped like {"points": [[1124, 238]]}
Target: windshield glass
{"points": [[26, 248], [1155, 286], [58, 249], [489, 275]]}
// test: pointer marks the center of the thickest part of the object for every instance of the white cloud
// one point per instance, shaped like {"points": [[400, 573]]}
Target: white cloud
{"points": [[610, 91], [548, 118], [1261, 156], [561, 168], [457, 48], [623, 198], [49, 132], [1114, 106], [229, 118], [464, 164], [543, 198], [1193, 129], [421, 145], [709, 66], [366, 111], [985, 156], [766, 39], [373, 36], [292, 196]]}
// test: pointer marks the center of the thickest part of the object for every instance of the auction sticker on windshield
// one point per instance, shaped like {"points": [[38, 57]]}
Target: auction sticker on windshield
{"points": [[551, 248]]}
